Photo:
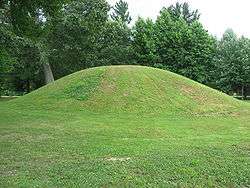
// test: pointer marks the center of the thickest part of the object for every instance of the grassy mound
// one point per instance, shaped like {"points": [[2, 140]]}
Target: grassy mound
{"points": [[94, 129], [129, 89]]}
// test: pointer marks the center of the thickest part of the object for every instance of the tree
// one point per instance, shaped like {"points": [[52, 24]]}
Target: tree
{"points": [[91, 39], [244, 67], [19, 62], [4, 11], [233, 63], [176, 44], [8, 50], [186, 49], [75, 37], [32, 20], [182, 10], [201, 52], [27, 66], [115, 44], [121, 13], [144, 45], [6, 59]]}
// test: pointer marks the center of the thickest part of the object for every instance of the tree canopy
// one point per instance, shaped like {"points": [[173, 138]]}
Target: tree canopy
{"points": [[233, 63], [183, 10], [61, 37], [121, 13]]}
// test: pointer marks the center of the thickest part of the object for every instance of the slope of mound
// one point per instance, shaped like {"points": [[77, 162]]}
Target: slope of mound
{"points": [[129, 89]]}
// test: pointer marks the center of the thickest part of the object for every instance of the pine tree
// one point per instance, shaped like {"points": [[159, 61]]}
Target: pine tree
{"points": [[180, 10], [121, 12]]}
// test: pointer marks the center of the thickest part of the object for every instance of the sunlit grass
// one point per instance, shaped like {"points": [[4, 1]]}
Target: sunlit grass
{"points": [[48, 139]]}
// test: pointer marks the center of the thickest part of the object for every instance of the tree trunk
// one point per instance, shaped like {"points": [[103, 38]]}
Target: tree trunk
{"points": [[28, 86], [48, 75], [243, 92]]}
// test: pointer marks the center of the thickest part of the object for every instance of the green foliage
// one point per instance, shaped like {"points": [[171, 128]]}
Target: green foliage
{"points": [[32, 21], [7, 61], [7, 44], [144, 44], [89, 13], [115, 45], [6, 65], [182, 10], [84, 40], [28, 58], [29, 18], [186, 49], [19, 62], [233, 62], [74, 35], [4, 11], [121, 13], [176, 44]]}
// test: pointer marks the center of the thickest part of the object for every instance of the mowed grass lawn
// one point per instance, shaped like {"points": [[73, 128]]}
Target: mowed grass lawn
{"points": [[124, 126], [53, 149]]}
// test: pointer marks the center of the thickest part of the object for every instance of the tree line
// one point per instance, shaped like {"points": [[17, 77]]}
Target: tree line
{"points": [[45, 40]]}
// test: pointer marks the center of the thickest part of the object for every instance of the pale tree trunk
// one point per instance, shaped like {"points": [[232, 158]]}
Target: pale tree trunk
{"points": [[244, 93], [48, 74]]}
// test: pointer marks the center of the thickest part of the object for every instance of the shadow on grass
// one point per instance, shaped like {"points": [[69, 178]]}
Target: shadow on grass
{"points": [[6, 98]]}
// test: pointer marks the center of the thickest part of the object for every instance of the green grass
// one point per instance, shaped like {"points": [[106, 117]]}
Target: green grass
{"points": [[124, 127], [5, 99]]}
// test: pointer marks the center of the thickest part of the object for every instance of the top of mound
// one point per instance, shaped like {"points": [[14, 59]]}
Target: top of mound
{"points": [[129, 89]]}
